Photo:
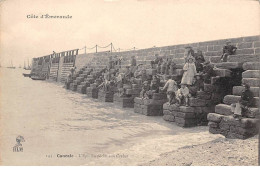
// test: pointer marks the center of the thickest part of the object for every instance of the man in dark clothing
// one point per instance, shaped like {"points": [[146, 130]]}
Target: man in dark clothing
{"points": [[208, 72], [196, 86], [155, 61], [228, 49], [133, 61], [241, 109], [199, 59]]}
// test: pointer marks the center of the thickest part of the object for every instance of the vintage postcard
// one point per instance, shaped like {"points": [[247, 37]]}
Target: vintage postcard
{"points": [[129, 82]]}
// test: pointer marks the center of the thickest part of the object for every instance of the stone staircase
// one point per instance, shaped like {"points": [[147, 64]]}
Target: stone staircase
{"points": [[222, 121]]}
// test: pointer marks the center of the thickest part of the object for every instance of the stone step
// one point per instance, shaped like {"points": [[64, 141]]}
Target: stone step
{"points": [[252, 82], [223, 72], [229, 65], [214, 59], [225, 109], [237, 90], [251, 66], [251, 74], [243, 58], [229, 99]]}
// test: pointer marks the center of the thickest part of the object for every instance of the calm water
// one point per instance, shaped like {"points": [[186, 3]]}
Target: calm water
{"points": [[57, 121]]}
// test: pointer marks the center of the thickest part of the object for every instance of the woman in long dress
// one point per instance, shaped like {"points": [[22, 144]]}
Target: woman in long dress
{"points": [[189, 71]]}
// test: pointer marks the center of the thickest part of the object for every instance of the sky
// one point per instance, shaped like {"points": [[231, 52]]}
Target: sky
{"points": [[125, 23]]}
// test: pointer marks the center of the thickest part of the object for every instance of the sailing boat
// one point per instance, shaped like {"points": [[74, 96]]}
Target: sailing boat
{"points": [[28, 67], [11, 67]]}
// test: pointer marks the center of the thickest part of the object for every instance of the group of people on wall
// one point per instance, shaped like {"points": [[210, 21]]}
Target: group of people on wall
{"points": [[196, 72]]}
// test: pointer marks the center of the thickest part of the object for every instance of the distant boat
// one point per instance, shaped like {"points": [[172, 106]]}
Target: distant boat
{"points": [[36, 77], [27, 74], [28, 67], [11, 67]]}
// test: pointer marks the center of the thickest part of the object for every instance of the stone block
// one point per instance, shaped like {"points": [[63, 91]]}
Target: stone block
{"points": [[243, 58], [186, 115], [214, 130], [223, 72], [185, 122], [229, 65], [251, 66], [169, 118], [257, 44], [173, 107], [152, 110], [215, 59], [139, 100], [159, 96], [237, 90], [209, 88], [187, 109], [215, 117], [245, 51], [166, 106], [251, 74], [229, 99], [203, 95], [245, 45], [223, 109], [167, 112], [195, 102], [252, 82], [212, 124]]}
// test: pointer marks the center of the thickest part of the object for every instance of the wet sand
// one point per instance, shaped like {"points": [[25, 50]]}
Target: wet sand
{"points": [[57, 122]]}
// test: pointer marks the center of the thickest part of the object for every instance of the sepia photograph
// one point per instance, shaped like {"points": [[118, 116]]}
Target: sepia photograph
{"points": [[129, 82]]}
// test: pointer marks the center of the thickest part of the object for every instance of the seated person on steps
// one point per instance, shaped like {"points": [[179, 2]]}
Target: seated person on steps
{"points": [[145, 88], [183, 94], [154, 87], [241, 109], [196, 86], [228, 49]]}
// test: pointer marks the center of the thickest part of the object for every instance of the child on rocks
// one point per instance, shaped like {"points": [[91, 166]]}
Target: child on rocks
{"points": [[171, 87], [145, 88], [183, 94]]}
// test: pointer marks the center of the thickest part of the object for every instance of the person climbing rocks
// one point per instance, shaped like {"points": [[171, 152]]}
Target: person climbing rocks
{"points": [[228, 49], [189, 72], [241, 109], [183, 94], [171, 88], [208, 72]]}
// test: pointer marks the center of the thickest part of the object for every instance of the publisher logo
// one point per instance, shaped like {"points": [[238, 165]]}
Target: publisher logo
{"points": [[18, 146]]}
